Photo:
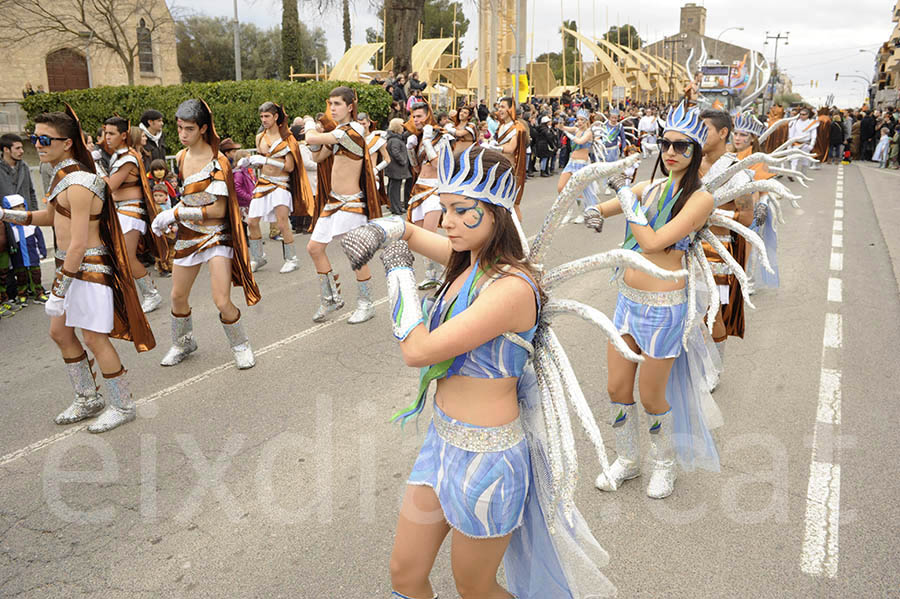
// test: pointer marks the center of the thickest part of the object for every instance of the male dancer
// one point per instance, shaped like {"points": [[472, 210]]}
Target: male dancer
{"points": [[209, 232], [730, 319], [282, 187], [424, 210], [346, 198], [510, 138], [94, 289], [376, 143], [803, 135], [135, 208]]}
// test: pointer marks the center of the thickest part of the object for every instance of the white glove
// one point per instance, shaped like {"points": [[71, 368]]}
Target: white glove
{"points": [[257, 160], [449, 128], [381, 166], [243, 162], [163, 221], [55, 306], [427, 132], [411, 142], [427, 142]]}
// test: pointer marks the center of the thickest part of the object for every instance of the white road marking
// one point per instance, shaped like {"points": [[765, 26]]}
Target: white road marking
{"points": [[833, 334], [820, 544], [835, 290], [838, 213], [838, 204], [38, 445], [837, 261], [838, 225], [829, 408], [837, 240]]}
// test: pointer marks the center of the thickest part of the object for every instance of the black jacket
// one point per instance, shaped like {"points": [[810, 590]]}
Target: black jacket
{"points": [[398, 167], [867, 127], [17, 181], [545, 142], [837, 134], [483, 112], [157, 150]]}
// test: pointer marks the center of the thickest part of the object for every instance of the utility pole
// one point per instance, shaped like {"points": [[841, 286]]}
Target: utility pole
{"points": [[237, 44], [666, 43], [774, 78]]}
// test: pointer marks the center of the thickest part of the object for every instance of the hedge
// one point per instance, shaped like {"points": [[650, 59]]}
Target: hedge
{"points": [[234, 103]]}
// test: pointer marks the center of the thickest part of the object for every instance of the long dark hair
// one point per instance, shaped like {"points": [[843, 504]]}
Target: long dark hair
{"points": [[504, 248], [690, 181]]}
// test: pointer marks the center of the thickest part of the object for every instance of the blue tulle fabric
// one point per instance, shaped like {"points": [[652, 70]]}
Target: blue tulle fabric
{"points": [[761, 276]]}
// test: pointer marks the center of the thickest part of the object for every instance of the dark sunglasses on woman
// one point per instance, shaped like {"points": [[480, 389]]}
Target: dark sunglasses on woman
{"points": [[682, 146]]}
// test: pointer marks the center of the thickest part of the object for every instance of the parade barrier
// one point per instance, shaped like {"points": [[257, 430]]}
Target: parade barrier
{"points": [[234, 103]]}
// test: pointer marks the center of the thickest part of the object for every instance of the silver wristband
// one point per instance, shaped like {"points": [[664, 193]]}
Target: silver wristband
{"points": [[61, 284], [17, 217], [188, 213]]}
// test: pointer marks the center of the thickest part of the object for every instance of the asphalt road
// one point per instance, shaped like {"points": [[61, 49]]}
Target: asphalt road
{"points": [[285, 480]]}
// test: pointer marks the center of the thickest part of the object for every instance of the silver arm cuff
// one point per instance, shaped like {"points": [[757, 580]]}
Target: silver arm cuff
{"points": [[61, 284], [16, 217], [188, 213], [631, 207], [406, 308], [381, 166]]}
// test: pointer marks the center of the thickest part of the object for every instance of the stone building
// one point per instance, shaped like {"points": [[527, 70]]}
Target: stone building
{"points": [[885, 89], [60, 61], [692, 35]]}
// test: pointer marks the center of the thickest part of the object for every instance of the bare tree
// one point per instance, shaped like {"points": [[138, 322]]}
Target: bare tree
{"points": [[405, 14], [117, 25]]}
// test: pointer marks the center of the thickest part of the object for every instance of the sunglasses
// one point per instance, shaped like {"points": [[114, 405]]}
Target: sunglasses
{"points": [[682, 146], [45, 140]]}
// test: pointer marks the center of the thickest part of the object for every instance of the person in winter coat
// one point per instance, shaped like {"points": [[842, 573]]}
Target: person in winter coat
{"points": [[545, 145], [244, 183], [397, 171], [837, 140]]}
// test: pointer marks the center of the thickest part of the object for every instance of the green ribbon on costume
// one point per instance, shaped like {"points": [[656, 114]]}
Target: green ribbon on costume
{"points": [[664, 207]]}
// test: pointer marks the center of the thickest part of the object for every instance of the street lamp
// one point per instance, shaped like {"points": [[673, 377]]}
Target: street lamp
{"points": [[872, 52], [716, 48], [87, 54]]}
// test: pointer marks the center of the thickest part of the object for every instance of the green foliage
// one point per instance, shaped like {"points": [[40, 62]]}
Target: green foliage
{"points": [[626, 35], [290, 37], [348, 31], [205, 48], [437, 22], [234, 104]]}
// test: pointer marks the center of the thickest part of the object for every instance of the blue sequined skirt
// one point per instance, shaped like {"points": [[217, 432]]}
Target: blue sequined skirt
{"points": [[482, 492], [589, 198], [655, 320]]}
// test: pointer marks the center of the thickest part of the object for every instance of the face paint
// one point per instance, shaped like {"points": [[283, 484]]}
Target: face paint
{"points": [[471, 216]]}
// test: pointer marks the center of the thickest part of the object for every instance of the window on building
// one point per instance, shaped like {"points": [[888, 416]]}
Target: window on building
{"points": [[145, 47]]}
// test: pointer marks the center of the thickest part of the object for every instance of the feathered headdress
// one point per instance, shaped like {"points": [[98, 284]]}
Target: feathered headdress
{"points": [[747, 123], [687, 122], [472, 180]]}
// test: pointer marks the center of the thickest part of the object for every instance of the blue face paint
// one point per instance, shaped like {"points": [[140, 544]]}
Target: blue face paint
{"points": [[471, 215]]}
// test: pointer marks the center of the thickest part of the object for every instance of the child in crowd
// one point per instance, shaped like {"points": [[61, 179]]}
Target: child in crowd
{"points": [[883, 149], [26, 250], [159, 174], [631, 171], [163, 200], [244, 183]]}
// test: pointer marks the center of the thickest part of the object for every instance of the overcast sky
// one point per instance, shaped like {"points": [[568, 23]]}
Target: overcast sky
{"points": [[823, 40]]}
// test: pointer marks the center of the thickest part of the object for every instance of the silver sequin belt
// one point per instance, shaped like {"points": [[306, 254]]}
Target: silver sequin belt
{"points": [[480, 439], [100, 250], [201, 198], [344, 201], [653, 298]]}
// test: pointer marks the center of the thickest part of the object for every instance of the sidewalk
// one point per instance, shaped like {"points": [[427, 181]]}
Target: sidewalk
{"points": [[883, 186]]}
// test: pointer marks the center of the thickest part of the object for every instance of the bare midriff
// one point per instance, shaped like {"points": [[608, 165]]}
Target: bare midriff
{"points": [[482, 402], [63, 225], [345, 175]]}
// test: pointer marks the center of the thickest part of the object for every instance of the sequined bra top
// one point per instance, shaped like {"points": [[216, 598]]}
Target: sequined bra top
{"points": [[503, 356], [659, 212]]}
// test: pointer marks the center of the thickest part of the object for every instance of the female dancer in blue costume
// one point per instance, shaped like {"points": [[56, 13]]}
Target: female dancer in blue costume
{"points": [[474, 338], [651, 314], [581, 138]]}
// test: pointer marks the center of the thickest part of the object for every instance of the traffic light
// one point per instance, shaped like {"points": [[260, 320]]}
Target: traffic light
{"points": [[836, 75]]}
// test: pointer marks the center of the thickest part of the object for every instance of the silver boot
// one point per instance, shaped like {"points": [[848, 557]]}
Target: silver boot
{"points": [[240, 344], [88, 402], [628, 463], [257, 255], [182, 340], [121, 407], [150, 297], [662, 456], [365, 308], [330, 296], [290, 258]]}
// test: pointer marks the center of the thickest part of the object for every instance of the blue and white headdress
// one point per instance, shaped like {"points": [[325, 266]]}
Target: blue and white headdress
{"points": [[471, 181], [747, 123], [583, 114], [687, 122]]}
